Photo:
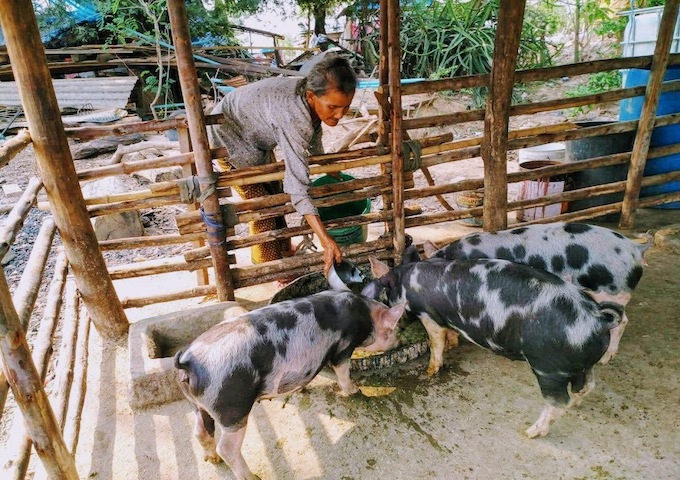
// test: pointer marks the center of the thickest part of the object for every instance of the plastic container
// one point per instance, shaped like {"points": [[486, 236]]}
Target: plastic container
{"points": [[640, 39], [344, 235], [642, 29], [669, 102], [542, 187], [586, 148], [549, 151]]}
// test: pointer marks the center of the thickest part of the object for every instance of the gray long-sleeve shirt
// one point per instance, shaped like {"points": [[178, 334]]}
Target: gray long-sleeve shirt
{"points": [[262, 115]]}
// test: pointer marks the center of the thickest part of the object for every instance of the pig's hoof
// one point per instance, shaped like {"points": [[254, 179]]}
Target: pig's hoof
{"points": [[606, 357], [537, 430], [212, 458], [348, 392], [432, 370]]}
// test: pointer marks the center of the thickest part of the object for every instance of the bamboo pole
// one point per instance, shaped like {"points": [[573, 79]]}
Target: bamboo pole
{"points": [[153, 267], [140, 302], [300, 264], [147, 241], [199, 140], [383, 68], [202, 277], [535, 74], [17, 215], [11, 147], [63, 380], [501, 80], [126, 168], [28, 390], [648, 113], [52, 307], [536, 107], [15, 460], [32, 76], [78, 388], [31, 278], [578, 194], [91, 133], [396, 133]]}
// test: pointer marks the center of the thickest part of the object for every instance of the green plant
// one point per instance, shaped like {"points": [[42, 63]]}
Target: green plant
{"points": [[454, 37], [597, 83]]}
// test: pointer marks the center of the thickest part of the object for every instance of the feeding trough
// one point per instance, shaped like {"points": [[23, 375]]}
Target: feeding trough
{"points": [[153, 342], [413, 335]]}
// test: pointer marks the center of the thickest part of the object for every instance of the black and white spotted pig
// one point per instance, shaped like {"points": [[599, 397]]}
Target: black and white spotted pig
{"points": [[272, 351], [592, 257], [514, 310]]}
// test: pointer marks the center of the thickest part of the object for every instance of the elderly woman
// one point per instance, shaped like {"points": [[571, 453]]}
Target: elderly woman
{"points": [[286, 112]]}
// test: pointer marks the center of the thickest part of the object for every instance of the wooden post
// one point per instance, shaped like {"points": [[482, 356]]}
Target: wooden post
{"points": [[28, 390], [58, 173], [643, 137], [199, 140], [394, 54], [383, 67], [495, 145]]}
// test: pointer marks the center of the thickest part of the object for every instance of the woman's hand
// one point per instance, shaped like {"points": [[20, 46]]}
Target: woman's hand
{"points": [[331, 251], [331, 255]]}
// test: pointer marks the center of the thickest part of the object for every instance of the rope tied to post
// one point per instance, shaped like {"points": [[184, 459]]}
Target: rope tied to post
{"points": [[190, 188], [215, 227]]}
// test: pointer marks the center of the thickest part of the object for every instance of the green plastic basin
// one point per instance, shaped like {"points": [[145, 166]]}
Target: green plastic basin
{"points": [[344, 235]]}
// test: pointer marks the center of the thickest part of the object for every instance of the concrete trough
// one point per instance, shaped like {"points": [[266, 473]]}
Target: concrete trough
{"points": [[153, 342]]}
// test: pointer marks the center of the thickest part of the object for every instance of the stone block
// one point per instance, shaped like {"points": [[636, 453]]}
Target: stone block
{"points": [[115, 225]]}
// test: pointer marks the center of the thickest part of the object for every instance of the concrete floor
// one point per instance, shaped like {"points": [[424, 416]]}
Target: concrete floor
{"points": [[467, 422]]}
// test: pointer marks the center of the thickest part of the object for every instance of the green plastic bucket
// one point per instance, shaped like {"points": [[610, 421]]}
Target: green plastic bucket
{"points": [[344, 235]]}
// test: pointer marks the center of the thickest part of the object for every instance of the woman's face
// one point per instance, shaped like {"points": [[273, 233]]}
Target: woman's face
{"points": [[331, 107]]}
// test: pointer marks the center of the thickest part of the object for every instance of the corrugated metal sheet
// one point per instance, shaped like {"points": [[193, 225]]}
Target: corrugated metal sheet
{"points": [[101, 93]]}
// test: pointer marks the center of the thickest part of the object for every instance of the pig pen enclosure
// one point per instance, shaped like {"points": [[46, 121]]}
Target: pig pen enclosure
{"points": [[464, 423]]}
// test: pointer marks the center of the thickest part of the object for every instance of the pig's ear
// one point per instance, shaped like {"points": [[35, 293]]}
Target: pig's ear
{"points": [[378, 268], [411, 255], [390, 317], [430, 249]]}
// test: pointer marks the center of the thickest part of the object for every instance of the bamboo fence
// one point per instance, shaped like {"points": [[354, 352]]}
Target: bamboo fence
{"points": [[390, 163]]}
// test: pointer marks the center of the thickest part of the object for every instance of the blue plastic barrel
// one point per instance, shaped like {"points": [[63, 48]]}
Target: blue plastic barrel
{"points": [[669, 102]]}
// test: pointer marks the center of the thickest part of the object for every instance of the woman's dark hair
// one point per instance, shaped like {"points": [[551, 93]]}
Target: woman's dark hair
{"points": [[331, 72]]}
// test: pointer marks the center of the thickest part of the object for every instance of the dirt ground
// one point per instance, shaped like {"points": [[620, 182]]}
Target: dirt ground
{"points": [[465, 423]]}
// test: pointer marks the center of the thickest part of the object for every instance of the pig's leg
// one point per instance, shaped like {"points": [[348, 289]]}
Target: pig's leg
{"points": [[204, 431], [347, 386], [554, 388], [437, 336], [615, 335], [229, 448], [451, 339], [581, 386]]}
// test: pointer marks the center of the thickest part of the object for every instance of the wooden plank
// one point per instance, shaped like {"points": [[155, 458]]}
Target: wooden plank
{"points": [[56, 166], [199, 139], [648, 114], [495, 148]]}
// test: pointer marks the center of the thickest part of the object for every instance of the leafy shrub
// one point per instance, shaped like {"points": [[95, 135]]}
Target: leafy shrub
{"points": [[453, 38]]}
